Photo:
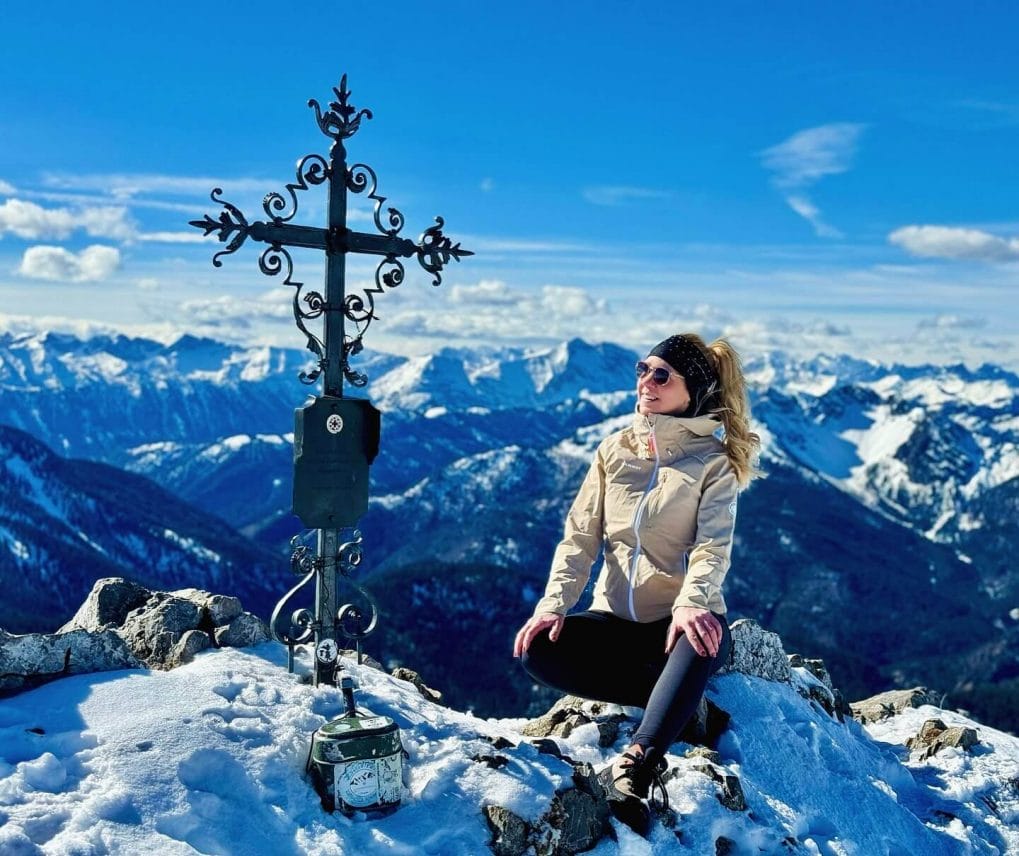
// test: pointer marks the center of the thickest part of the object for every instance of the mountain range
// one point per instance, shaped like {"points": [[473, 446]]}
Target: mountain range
{"points": [[880, 538]]}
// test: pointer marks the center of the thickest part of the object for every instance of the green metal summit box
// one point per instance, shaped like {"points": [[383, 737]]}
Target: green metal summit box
{"points": [[335, 440]]}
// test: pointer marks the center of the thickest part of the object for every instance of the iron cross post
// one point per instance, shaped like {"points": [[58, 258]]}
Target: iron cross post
{"points": [[335, 438]]}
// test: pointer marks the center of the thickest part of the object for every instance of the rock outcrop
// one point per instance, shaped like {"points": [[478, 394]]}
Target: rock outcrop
{"points": [[34, 658], [575, 821], [934, 736], [123, 625], [756, 652], [884, 705]]}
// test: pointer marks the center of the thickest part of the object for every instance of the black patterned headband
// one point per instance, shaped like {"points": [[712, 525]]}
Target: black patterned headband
{"points": [[700, 376]]}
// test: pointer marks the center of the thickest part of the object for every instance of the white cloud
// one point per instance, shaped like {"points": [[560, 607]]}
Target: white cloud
{"points": [[127, 185], [92, 264], [810, 212], [31, 221], [570, 301], [6, 189], [195, 237], [614, 195], [804, 159], [810, 155], [952, 322], [488, 292], [232, 312], [948, 242], [148, 283]]}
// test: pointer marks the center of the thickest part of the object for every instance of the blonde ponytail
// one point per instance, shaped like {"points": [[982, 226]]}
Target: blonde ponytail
{"points": [[741, 444]]}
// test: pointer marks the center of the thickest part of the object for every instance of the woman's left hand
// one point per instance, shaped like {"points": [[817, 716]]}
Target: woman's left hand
{"points": [[701, 628]]}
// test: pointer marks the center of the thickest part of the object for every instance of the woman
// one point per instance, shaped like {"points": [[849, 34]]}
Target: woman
{"points": [[660, 500]]}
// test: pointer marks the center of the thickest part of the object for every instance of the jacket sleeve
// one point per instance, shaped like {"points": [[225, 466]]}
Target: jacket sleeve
{"points": [[580, 545], [709, 558]]}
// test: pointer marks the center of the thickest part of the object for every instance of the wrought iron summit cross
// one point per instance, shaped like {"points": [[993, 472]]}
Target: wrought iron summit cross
{"points": [[335, 439], [433, 250]]}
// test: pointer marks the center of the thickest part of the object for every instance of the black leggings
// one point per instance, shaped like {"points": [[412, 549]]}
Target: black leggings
{"points": [[603, 657]]}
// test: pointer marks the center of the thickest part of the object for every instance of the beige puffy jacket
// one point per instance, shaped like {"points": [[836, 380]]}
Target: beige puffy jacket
{"points": [[660, 498]]}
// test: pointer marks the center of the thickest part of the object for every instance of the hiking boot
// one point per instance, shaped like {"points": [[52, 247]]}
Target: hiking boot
{"points": [[627, 782]]}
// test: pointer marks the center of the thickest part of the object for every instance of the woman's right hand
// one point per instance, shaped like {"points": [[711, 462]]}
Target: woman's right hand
{"points": [[535, 624]]}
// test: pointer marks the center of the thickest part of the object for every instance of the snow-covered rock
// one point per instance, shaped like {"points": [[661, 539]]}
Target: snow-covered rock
{"points": [[210, 757]]}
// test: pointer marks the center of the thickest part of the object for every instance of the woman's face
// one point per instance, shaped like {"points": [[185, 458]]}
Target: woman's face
{"points": [[671, 397]]}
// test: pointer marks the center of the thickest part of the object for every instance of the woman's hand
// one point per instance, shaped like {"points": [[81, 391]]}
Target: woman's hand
{"points": [[701, 628], [533, 627]]}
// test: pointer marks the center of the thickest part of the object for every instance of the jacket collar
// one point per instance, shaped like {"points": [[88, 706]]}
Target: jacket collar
{"points": [[671, 432]]}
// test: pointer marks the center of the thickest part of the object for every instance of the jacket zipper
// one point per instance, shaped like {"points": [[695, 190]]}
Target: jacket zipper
{"points": [[638, 514]]}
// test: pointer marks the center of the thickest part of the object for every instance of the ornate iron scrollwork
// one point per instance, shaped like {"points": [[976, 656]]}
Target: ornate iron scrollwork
{"points": [[340, 121], [435, 250], [272, 262], [230, 220], [349, 618], [301, 626], [361, 178], [276, 207]]}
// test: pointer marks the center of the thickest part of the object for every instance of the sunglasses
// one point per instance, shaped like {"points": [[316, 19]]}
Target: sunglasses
{"points": [[660, 376]]}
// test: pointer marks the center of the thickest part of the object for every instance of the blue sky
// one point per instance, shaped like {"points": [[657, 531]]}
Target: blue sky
{"points": [[788, 174]]}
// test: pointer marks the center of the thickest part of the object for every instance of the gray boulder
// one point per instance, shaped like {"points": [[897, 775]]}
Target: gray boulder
{"points": [[510, 833], [244, 630], [108, 604], [187, 646], [153, 630], [34, 658], [934, 736], [884, 705], [569, 713], [220, 609], [414, 678], [576, 820], [757, 652]]}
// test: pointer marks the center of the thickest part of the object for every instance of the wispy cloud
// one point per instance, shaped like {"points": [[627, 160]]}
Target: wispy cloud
{"points": [[99, 199], [128, 185], [949, 242], [230, 312], [805, 158], [617, 195], [810, 212], [487, 185], [481, 243], [93, 264], [999, 113], [176, 237], [33, 222], [952, 322], [6, 189]]}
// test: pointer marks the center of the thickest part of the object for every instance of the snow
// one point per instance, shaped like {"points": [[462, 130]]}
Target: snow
{"points": [[191, 546], [209, 758], [888, 433], [947, 389], [38, 491]]}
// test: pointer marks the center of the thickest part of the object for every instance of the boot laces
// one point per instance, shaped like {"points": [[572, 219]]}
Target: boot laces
{"points": [[644, 778]]}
